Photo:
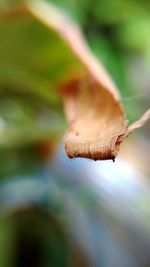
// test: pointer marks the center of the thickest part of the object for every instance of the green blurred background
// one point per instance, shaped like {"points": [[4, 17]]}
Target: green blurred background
{"points": [[31, 118]]}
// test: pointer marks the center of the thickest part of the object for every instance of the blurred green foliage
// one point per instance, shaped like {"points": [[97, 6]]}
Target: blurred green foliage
{"points": [[34, 59], [32, 237]]}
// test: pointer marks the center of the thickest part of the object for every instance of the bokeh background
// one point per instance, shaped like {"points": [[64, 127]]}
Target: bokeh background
{"points": [[61, 212]]}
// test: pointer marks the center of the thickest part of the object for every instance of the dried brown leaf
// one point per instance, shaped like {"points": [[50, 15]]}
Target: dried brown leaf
{"points": [[96, 120]]}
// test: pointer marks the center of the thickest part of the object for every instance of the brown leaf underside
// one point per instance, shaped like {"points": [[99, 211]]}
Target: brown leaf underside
{"points": [[96, 120]]}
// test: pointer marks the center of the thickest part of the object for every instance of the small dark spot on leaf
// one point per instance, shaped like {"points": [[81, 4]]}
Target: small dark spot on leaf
{"points": [[113, 159]]}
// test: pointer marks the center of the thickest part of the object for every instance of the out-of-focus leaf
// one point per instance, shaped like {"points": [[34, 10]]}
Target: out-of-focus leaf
{"points": [[27, 119], [33, 60], [33, 237]]}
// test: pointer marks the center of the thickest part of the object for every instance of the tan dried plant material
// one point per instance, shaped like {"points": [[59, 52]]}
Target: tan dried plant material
{"points": [[97, 123]]}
